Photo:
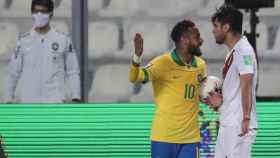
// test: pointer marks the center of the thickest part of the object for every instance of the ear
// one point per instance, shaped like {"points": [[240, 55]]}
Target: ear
{"points": [[226, 28]]}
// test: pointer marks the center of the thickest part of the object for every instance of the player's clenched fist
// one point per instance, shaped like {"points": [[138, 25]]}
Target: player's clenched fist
{"points": [[138, 44]]}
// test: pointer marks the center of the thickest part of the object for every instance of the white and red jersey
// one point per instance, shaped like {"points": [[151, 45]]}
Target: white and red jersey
{"points": [[240, 60]]}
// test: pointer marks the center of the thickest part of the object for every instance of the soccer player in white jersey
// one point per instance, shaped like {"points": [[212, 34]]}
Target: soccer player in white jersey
{"points": [[238, 120]]}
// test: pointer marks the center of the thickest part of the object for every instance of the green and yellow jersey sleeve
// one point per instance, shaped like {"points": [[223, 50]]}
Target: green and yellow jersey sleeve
{"points": [[152, 71]]}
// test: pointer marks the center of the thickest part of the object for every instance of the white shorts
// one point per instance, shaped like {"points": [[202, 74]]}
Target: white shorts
{"points": [[230, 145]]}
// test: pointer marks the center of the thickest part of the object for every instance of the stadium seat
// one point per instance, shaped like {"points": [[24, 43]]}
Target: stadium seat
{"points": [[60, 26], [18, 8], [155, 36], [9, 33], [210, 49], [162, 8], [3, 4], [3, 74], [272, 52], [271, 11], [269, 78], [145, 95], [122, 54], [95, 5], [110, 84], [63, 8], [276, 46], [209, 7], [3, 7], [103, 39], [122, 8], [262, 40]]}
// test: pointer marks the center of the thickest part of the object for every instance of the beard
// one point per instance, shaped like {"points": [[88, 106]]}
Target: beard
{"points": [[198, 53], [220, 39], [194, 50]]}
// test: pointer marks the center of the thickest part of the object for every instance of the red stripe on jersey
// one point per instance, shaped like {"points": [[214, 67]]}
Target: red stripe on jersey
{"points": [[227, 64]]}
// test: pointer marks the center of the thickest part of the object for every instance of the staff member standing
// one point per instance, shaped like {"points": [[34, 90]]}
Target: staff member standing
{"points": [[43, 60]]}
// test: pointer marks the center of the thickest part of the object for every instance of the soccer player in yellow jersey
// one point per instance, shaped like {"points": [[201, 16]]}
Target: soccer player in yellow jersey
{"points": [[176, 78]]}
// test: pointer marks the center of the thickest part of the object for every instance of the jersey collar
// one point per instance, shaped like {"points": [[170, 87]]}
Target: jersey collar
{"points": [[33, 32], [178, 61]]}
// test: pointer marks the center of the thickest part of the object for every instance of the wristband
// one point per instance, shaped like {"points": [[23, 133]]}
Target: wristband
{"points": [[136, 59], [246, 117]]}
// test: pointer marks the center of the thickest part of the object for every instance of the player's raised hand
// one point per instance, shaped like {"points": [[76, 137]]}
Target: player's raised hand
{"points": [[138, 44]]}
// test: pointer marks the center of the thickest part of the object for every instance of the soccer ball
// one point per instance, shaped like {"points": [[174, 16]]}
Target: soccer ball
{"points": [[210, 84]]}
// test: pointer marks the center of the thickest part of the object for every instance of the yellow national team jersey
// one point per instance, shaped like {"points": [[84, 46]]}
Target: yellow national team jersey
{"points": [[176, 91]]}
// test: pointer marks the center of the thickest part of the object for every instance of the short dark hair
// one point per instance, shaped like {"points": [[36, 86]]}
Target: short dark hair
{"points": [[48, 3], [180, 28], [227, 14]]}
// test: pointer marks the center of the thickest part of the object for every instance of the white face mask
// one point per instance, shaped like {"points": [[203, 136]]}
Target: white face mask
{"points": [[40, 20]]}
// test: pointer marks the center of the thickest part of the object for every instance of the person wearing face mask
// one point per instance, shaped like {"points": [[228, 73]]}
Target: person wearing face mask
{"points": [[176, 78], [43, 60]]}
